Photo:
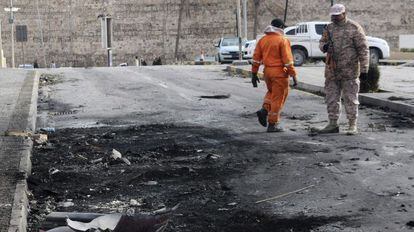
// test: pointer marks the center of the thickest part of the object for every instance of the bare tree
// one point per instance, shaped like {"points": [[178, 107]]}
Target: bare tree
{"points": [[275, 9], [180, 18], [255, 19]]}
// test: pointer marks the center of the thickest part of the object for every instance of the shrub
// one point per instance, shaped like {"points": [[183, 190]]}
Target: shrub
{"points": [[371, 83], [407, 49]]}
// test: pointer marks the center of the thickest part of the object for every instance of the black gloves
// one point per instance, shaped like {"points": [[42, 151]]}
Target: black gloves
{"points": [[295, 81], [363, 76], [325, 48], [255, 80]]}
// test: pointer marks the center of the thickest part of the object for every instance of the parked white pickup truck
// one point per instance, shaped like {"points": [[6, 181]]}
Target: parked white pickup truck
{"points": [[304, 38]]}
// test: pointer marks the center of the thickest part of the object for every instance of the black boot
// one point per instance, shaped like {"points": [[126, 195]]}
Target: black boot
{"points": [[274, 127], [262, 116]]}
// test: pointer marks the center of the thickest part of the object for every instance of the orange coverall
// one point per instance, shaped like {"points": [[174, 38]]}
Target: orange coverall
{"points": [[274, 51]]}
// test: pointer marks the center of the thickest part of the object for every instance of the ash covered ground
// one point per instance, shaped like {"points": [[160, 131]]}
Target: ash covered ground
{"points": [[195, 141], [170, 165]]}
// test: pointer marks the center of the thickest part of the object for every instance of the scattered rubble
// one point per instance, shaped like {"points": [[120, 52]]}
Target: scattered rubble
{"points": [[66, 204], [40, 139], [116, 155], [168, 165], [324, 165], [49, 79], [155, 221], [48, 129], [103, 223]]}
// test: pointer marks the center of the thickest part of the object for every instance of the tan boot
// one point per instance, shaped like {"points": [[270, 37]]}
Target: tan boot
{"points": [[332, 127], [352, 129]]}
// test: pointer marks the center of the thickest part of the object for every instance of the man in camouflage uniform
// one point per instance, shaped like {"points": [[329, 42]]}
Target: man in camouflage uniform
{"points": [[347, 59]]}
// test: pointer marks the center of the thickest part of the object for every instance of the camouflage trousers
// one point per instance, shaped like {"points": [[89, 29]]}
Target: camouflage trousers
{"points": [[348, 90]]}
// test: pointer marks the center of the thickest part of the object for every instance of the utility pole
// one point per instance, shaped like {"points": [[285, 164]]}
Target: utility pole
{"points": [[12, 9], [245, 18], [239, 35], [2, 65], [239, 28], [1, 42], [42, 44], [286, 9]]}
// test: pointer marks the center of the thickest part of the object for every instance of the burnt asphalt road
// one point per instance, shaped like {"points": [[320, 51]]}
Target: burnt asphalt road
{"points": [[367, 178]]}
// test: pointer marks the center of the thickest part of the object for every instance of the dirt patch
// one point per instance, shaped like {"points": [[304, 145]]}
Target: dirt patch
{"points": [[397, 120], [245, 221], [169, 165], [54, 106], [306, 117], [249, 115], [410, 224], [382, 121], [394, 98]]}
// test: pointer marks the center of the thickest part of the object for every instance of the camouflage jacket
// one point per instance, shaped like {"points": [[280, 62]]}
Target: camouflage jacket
{"points": [[350, 50]]}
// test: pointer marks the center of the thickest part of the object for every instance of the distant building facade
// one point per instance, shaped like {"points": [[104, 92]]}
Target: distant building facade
{"points": [[69, 32]]}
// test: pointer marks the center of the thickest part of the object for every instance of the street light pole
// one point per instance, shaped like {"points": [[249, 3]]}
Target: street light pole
{"points": [[245, 18], [286, 9], [12, 31], [239, 28], [11, 21], [1, 40], [1, 47]]}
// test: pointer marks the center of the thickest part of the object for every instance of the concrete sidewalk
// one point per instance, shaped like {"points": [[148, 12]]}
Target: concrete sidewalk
{"points": [[18, 107], [396, 82]]}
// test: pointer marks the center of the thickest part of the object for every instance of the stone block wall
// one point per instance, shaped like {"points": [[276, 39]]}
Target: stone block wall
{"points": [[68, 32]]}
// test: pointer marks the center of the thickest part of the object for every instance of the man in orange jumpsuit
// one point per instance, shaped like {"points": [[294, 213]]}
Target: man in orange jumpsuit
{"points": [[273, 50]]}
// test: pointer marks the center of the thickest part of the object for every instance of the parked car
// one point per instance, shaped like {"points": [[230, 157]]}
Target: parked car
{"points": [[249, 49], [228, 49], [304, 38], [26, 66]]}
